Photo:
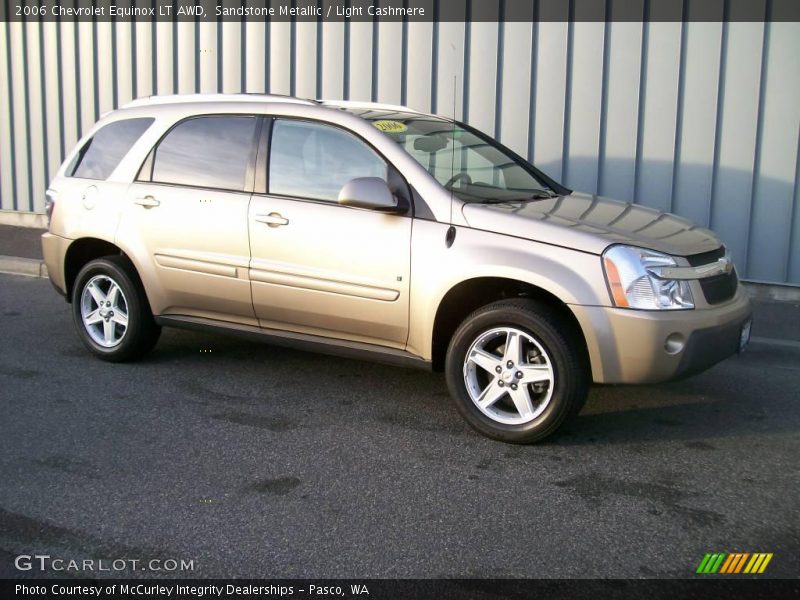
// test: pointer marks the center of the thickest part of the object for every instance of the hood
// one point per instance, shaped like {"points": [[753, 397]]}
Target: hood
{"points": [[591, 223]]}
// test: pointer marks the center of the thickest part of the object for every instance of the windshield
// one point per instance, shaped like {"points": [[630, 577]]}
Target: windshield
{"points": [[475, 167]]}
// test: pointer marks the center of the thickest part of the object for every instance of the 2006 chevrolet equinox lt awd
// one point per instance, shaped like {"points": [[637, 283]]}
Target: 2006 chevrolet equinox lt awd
{"points": [[380, 232]]}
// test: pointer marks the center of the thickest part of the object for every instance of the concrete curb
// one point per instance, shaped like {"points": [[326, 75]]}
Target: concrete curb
{"points": [[773, 292], [15, 265], [23, 219]]}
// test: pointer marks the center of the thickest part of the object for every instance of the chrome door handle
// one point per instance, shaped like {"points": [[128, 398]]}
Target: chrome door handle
{"points": [[273, 219], [147, 202]]}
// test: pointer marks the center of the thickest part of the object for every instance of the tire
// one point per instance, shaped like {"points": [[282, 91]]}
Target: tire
{"points": [[106, 333], [549, 373]]}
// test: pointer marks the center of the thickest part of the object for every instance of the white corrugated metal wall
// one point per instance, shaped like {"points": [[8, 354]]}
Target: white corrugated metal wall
{"points": [[698, 118]]}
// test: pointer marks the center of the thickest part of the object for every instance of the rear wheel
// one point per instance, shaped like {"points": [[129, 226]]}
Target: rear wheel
{"points": [[111, 312], [517, 370]]}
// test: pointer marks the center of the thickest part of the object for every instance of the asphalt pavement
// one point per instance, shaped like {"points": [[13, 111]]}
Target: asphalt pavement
{"points": [[257, 461]]}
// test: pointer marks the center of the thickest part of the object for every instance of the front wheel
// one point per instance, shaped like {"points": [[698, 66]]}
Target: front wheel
{"points": [[111, 312], [517, 370]]}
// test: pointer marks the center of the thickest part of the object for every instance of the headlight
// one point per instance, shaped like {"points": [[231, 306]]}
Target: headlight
{"points": [[633, 285]]}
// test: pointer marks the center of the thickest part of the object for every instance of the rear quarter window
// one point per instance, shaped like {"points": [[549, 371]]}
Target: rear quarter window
{"points": [[98, 157], [206, 151]]}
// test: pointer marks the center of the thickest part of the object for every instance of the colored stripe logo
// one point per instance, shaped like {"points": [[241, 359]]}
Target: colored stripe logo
{"points": [[733, 563]]}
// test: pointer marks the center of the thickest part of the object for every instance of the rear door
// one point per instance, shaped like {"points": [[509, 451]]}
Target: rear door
{"points": [[187, 215], [318, 267]]}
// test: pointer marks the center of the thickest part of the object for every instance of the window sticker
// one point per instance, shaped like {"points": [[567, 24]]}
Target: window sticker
{"points": [[388, 126]]}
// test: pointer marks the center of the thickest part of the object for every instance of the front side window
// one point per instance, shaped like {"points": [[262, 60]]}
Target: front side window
{"points": [[311, 160], [211, 152], [103, 152]]}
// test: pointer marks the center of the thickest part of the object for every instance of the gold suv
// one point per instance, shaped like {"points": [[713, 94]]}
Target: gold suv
{"points": [[380, 232]]}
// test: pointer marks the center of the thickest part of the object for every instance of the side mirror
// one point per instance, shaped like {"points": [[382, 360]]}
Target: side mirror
{"points": [[368, 192]]}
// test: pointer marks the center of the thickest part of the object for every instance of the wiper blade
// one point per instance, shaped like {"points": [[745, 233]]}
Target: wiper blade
{"points": [[543, 195], [537, 195]]}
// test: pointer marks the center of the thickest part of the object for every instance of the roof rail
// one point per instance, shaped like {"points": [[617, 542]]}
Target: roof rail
{"points": [[186, 98], [373, 105]]}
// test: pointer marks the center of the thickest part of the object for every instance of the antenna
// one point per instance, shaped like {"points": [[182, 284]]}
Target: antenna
{"points": [[450, 236]]}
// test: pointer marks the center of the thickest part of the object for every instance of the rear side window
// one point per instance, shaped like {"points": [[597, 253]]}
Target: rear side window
{"points": [[310, 160], [103, 152], [210, 152]]}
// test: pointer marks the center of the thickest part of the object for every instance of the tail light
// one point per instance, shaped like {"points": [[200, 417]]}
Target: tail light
{"points": [[49, 205]]}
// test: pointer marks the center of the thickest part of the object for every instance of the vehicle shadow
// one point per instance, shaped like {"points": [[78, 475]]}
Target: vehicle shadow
{"points": [[745, 395], [750, 394]]}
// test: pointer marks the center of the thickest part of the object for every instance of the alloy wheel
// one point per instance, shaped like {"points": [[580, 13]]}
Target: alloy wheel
{"points": [[508, 375], [104, 310]]}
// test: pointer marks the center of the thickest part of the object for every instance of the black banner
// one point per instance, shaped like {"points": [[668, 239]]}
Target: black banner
{"points": [[400, 10], [379, 589]]}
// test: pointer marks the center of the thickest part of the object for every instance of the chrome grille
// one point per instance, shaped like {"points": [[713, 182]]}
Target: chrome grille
{"points": [[719, 288]]}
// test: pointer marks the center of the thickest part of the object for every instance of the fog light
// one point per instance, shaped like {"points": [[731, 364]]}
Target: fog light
{"points": [[674, 343]]}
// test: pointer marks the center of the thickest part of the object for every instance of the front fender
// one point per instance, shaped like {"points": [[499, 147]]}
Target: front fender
{"points": [[572, 276]]}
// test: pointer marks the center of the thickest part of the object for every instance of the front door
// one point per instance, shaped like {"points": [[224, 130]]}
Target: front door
{"points": [[319, 267]]}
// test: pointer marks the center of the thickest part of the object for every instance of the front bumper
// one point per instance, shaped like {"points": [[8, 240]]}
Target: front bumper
{"points": [[638, 346], [54, 249]]}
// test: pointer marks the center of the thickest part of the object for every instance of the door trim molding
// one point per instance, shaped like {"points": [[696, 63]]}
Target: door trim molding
{"points": [[195, 265], [317, 284]]}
